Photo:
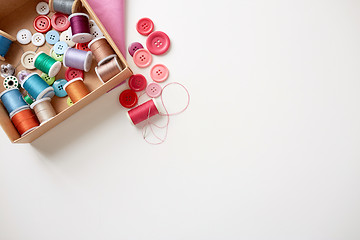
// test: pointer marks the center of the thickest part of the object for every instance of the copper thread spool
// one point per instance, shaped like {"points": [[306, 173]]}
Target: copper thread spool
{"points": [[24, 121], [43, 110], [108, 70], [101, 50], [76, 89]]}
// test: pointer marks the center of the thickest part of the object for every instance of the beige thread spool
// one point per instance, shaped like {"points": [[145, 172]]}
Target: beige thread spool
{"points": [[108, 70], [101, 49], [76, 89], [43, 109]]}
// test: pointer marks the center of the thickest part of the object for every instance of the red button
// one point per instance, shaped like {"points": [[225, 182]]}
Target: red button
{"points": [[145, 26], [60, 22], [158, 43], [137, 82], [83, 46], [128, 98], [72, 73], [42, 24]]}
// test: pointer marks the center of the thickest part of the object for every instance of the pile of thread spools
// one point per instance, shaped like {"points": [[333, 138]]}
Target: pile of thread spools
{"points": [[73, 42]]}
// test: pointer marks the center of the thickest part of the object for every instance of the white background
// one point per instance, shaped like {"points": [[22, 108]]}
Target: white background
{"points": [[268, 149]]}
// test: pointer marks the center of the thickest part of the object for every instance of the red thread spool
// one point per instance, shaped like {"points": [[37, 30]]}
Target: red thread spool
{"points": [[143, 112], [25, 121]]}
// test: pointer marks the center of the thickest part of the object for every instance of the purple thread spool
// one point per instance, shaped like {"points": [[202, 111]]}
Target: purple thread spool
{"points": [[78, 59], [80, 28]]}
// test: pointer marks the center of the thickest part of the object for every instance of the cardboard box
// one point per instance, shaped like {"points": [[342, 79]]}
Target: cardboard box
{"points": [[19, 14]]}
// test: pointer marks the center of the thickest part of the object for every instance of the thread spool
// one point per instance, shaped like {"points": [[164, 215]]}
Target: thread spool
{"points": [[37, 88], [65, 6], [143, 112], [78, 59], [108, 70], [101, 50], [24, 121], [5, 43], [43, 109], [13, 100], [11, 82], [47, 64], [76, 89], [80, 28]]}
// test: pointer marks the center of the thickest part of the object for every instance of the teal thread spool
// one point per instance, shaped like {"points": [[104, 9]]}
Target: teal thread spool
{"points": [[37, 88], [5, 42], [13, 100], [47, 64]]}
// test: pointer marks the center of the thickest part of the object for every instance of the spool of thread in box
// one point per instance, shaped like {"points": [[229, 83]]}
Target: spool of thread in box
{"points": [[80, 28], [43, 109], [5, 43], [143, 112], [37, 88], [47, 64], [101, 50], [76, 89], [65, 6], [108, 70], [13, 100], [24, 121], [78, 59]]}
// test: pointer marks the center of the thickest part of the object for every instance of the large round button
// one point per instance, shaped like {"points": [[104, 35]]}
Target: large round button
{"points": [[153, 90], [42, 24], [57, 57], [52, 37], [60, 47], [128, 98], [83, 46], [48, 79], [158, 43], [60, 22], [59, 88], [145, 26], [27, 60], [142, 58], [38, 39], [159, 73], [23, 36], [137, 82], [72, 73], [134, 47], [66, 37], [42, 8]]}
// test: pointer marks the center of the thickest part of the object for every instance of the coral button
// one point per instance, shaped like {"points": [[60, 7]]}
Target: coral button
{"points": [[158, 43], [153, 90], [60, 22], [72, 73], [83, 46], [142, 58], [145, 26], [42, 24], [128, 98], [159, 73], [137, 82]]}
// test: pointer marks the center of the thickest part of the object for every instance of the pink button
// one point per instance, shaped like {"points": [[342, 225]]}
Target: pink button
{"points": [[60, 22], [42, 24], [158, 43], [137, 82], [72, 73], [142, 58], [159, 73], [153, 90], [145, 26]]}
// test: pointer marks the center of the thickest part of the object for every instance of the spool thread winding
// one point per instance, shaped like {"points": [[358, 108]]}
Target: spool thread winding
{"points": [[108, 70], [80, 28], [143, 112], [37, 88], [47, 64], [24, 121], [43, 109], [5, 43], [76, 89], [13, 100], [63, 6], [101, 50], [78, 59]]}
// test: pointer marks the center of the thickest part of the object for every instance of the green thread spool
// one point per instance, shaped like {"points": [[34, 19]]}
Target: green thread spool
{"points": [[47, 64]]}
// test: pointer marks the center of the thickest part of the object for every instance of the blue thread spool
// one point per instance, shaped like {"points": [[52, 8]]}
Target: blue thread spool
{"points": [[5, 43], [13, 100], [37, 88]]}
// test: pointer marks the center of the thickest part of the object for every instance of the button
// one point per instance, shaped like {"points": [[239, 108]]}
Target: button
{"points": [[83, 46], [60, 47], [52, 37], [69, 102], [145, 26], [128, 98], [95, 30], [42, 24], [11, 82], [137, 82], [60, 22], [66, 37], [158, 43], [142, 58], [42, 8], [48, 79], [159, 73], [27, 60], [72, 73], [57, 57], [153, 90], [38, 39], [134, 47], [59, 88], [23, 36]]}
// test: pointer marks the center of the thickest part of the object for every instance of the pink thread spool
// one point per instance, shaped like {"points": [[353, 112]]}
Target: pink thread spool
{"points": [[143, 112]]}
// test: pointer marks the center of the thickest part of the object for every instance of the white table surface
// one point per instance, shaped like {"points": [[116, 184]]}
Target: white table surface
{"points": [[268, 149]]}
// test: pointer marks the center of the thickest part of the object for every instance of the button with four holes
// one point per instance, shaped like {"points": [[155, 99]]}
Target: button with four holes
{"points": [[95, 30], [23, 36], [159, 73], [69, 102], [83, 46], [158, 43], [60, 22], [52, 37], [142, 58], [72, 73], [27, 60], [66, 37], [60, 47], [145, 26], [134, 47], [48, 79], [42, 8], [137, 82], [59, 88], [128, 98], [42, 24], [38, 39], [153, 90], [57, 57]]}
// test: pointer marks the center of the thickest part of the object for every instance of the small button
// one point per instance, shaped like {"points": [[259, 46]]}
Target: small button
{"points": [[159, 73], [42, 24], [60, 22], [153, 90], [145, 26], [42, 8], [134, 47], [59, 88], [27, 60], [24, 36], [142, 58], [66, 37], [48, 79], [95, 30], [72, 73], [128, 98], [69, 102], [11, 82], [60, 47], [38, 39], [137, 82], [83, 46], [57, 57], [52, 37], [158, 43]]}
